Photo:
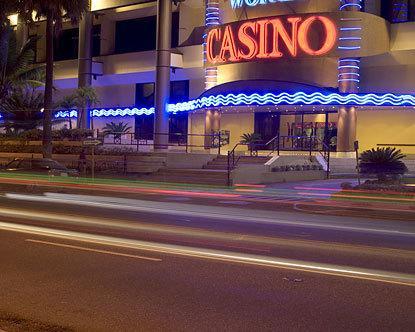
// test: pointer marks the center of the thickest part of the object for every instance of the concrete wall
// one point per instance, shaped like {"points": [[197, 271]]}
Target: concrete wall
{"points": [[386, 127], [196, 126], [237, 124]]}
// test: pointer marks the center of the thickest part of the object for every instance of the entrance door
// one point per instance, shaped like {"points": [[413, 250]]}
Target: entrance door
{"points": [[267, 125]]}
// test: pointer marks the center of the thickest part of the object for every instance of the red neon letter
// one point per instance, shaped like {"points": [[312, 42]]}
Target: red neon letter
{"points": [[263, 38], [331, 35], [228, 45], [248, 40], [212, 36], [280, 31]]}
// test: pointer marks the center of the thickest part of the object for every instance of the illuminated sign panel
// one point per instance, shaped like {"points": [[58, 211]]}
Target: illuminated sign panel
{"points": [[270, 39], [252, 3]]}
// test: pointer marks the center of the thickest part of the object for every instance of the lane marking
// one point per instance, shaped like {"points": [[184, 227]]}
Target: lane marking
{"points": [[107, 252], [114, 204], [205, 234], [219, 255]]}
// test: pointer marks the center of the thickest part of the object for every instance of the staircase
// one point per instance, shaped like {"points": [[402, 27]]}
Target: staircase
{"points": [[221, 162], [191, 176], [213, 173], [145, 163]]}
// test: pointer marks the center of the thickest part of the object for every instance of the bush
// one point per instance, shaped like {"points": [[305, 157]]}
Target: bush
{"points": [[31, 135], [346, 185], [383, 162]]}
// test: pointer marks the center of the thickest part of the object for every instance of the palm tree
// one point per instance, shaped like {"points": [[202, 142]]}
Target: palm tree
{"points": [[383, 162], [19, 68], [55, 11], [22, 109], [79, 100], [116, 129], [250, 139], [68, 103], [7, 7], [85, 96]]}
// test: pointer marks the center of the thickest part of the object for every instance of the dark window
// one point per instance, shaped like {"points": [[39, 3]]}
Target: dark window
{"points": [[396, 11], [66, 44], [178, 127], [267, 126], [144, 97], [144, 93], [144, 127], [138, 35]]}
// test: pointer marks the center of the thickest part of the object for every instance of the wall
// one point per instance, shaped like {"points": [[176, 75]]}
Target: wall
{"points": [[386, 127], [237, 124], [196, 126]]}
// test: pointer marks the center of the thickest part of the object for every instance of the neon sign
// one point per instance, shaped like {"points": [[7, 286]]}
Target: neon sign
{"points": [[252, 3], [271, 38]]}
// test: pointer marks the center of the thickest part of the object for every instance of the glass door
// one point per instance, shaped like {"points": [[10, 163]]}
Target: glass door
{"points": [[267, 125]]}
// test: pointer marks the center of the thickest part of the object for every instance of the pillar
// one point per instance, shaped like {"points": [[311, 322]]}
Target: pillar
{"points": [[162, 88], [346, 132], [107, 36], [348, 81], [85, 63], [212, 18], [212, 124]]}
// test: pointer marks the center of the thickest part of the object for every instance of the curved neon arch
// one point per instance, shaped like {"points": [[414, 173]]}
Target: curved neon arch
{"points": [[242, 99]]}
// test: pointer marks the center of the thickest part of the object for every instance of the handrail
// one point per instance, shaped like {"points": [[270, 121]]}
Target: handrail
{"points": [[272, 140], [182, 139]]}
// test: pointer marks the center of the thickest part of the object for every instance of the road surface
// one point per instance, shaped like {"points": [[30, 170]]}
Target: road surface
{"points": [[86, 263]]}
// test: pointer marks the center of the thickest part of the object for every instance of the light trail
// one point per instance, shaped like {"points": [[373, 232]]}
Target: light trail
{"points": [[193, 210], [218, 255], [107, 252]]}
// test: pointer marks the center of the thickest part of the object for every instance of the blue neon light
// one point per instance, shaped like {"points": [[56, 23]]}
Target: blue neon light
{"points": [[284, 98], [349, 48]]}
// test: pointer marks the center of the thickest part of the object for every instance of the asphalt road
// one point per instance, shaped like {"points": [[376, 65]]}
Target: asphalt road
{"points": [[114, 264]]}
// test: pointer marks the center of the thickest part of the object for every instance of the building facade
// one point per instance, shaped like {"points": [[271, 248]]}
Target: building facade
{"points": [[337, 70]]}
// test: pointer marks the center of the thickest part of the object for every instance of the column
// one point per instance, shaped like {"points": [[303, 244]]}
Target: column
{"points": [[107, 36], [162, 88], [212, 18], [85, 63], [348, 79]]}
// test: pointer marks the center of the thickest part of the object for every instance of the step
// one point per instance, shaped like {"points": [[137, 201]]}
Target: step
{"points": [[196, 173]]}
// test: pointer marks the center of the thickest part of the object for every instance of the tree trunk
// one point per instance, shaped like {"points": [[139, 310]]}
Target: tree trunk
{"points": [[4, 43], [47, 113]]}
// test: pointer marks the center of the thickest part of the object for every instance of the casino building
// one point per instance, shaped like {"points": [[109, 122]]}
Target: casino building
{"points": [[340, 71]]}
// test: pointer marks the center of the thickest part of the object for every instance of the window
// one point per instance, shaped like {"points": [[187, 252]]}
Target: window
{"points": [[66, 44], [144, 127], [396, 11], [144, 97], [144, 93], [139, 35]]}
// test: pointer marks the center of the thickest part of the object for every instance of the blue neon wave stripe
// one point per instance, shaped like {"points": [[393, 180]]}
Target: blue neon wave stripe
{"points": [[284, 98]]}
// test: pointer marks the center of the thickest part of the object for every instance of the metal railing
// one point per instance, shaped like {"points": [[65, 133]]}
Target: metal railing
{"points": [[278, 143], [214, 140]]}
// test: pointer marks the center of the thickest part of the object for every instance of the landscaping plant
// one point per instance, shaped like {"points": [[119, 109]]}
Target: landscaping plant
{"points": [[250, 139], [385, 163], [116, 129]]}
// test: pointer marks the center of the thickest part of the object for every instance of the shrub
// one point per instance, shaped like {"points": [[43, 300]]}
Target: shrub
{"points": [[116, 129], [31, 135], [384, 162], [346, 185]]}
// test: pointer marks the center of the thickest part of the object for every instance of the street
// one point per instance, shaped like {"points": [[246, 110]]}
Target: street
{"points": [[126, 265]]}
